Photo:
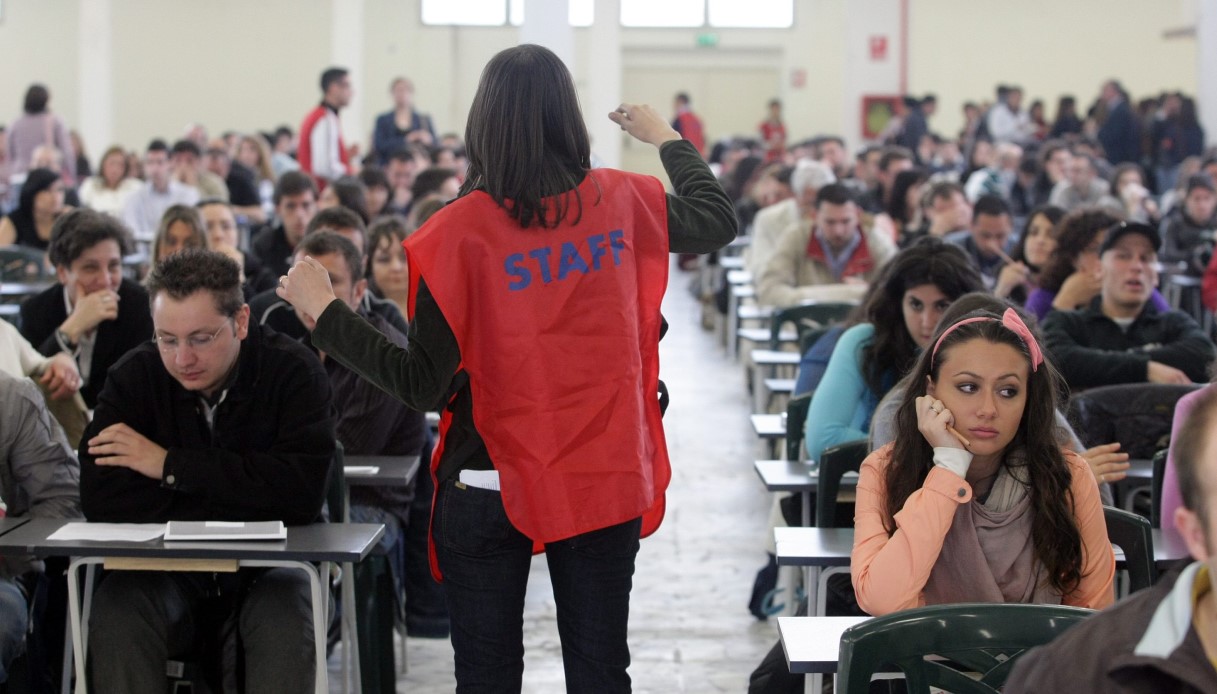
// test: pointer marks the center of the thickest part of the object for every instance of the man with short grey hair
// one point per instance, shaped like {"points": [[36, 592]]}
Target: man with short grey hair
{"points": [[808, 177]]}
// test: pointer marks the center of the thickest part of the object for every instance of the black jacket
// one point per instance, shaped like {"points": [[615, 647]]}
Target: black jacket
{"points": [[1090, 349], [271, 247], [268, 458], [42, 314], [1146, 643]]}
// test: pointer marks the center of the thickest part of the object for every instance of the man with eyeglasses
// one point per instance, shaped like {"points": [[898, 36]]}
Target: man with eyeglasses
{"points": [[1121, 337], [218, 419]]}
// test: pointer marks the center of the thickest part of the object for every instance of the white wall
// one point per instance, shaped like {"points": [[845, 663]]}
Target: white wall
{"points": [[1049, 47], [236, 64]]}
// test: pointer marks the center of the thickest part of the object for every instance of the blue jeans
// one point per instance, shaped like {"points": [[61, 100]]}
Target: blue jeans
{"points": [[485, 563], [14, 617]]}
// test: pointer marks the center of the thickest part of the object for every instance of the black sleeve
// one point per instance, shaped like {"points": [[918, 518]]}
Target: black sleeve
{"points": [[1083, 366], [1185, 346], [419, 375], [701, 218], [38, 323]]}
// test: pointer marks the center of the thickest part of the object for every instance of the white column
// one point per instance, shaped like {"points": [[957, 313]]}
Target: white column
{"points": [[547, 23], [603, 86], [1206, 66], [95, 117], [872, 58], [346, 50]]}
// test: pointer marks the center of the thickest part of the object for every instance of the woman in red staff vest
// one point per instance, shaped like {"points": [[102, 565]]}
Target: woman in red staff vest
{"points": [[534, 328]]}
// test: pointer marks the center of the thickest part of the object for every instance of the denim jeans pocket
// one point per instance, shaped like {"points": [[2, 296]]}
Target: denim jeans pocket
{"points": [[472, 521]]}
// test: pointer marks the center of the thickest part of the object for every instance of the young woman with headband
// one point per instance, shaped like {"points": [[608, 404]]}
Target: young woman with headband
{"points": [[975, 501]]}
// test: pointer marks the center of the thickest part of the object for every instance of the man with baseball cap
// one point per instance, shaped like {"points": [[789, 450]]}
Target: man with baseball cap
{"points": [[1121, 337]]}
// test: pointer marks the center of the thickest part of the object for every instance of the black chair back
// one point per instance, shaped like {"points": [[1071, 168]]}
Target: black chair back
{"points": [[796, 417], [1155, 514], [1138, 415], [834, 463], [336, 492], [1132, 533]]}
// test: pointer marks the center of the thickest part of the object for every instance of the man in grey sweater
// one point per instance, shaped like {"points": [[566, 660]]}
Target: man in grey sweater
{"points": [[39, 477]]}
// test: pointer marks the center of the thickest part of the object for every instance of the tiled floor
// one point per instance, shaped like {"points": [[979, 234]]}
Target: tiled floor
{"points": [[690, 630]]}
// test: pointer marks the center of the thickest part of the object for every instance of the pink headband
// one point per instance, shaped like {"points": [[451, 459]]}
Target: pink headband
{"points": [[1013, 323]]}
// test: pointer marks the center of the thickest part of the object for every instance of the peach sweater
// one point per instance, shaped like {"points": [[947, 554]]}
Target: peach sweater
{"points": [[890, 573]]}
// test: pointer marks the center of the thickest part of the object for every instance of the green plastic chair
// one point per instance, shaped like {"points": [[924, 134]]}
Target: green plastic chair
{"points": [[971, 639], [835, 461], [807, 319], [22, 264], [1134, 535]]}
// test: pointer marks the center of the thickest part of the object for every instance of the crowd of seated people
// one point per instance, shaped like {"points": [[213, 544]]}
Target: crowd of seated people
{"points": [[1075, 220], [1082, 223], [242, 198]]}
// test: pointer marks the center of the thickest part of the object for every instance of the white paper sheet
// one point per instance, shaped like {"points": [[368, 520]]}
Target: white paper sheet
{"points": [[108, 532], [361, 469]]}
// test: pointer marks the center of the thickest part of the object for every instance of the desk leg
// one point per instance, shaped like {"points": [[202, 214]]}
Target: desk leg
{"points": [[350, 632], [320, 610], [74, 613], [806, 509], [758, 389], [814, 682], [732, 323], [351, 676]]}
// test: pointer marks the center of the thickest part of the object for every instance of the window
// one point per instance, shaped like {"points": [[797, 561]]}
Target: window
{"points": [[466, 12], [767, 14], [581, 12], [669, 13], [494, 12]]}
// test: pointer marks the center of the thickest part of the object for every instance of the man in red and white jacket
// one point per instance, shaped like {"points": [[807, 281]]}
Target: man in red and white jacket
{"points": [[321, 152]]}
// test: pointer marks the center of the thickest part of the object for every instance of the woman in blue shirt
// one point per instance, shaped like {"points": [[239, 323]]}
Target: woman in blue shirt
{"points": [[900, 316]]}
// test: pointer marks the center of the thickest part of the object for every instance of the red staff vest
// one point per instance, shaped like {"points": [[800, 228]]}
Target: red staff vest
{"points": [[559, 334]]}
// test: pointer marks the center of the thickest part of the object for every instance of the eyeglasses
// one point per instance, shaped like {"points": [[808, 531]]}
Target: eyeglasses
{"points": [[198, 343]]}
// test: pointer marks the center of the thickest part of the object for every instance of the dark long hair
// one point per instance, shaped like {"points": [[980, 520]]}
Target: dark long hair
{"points": [[1055, 536], [525, 137], [1074, 233], [897, 208], [928, 261], [1054, 215]]}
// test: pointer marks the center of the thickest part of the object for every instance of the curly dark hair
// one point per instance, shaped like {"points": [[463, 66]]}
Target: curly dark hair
{"points": [[78, 230], [1055, 536], [195, 269], [928, 261], [1074, 234]]}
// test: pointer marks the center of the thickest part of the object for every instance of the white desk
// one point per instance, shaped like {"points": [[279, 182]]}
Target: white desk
{"points": [[767, 363], [768, 427], [324, 543], [813, 644], [799, 476]]}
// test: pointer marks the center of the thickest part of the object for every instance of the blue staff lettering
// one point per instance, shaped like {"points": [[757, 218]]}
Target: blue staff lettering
{"points": [[569, 258]]}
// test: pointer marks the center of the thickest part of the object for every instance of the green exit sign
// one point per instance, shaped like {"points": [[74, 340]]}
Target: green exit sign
{"points": [[707, 39]]}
